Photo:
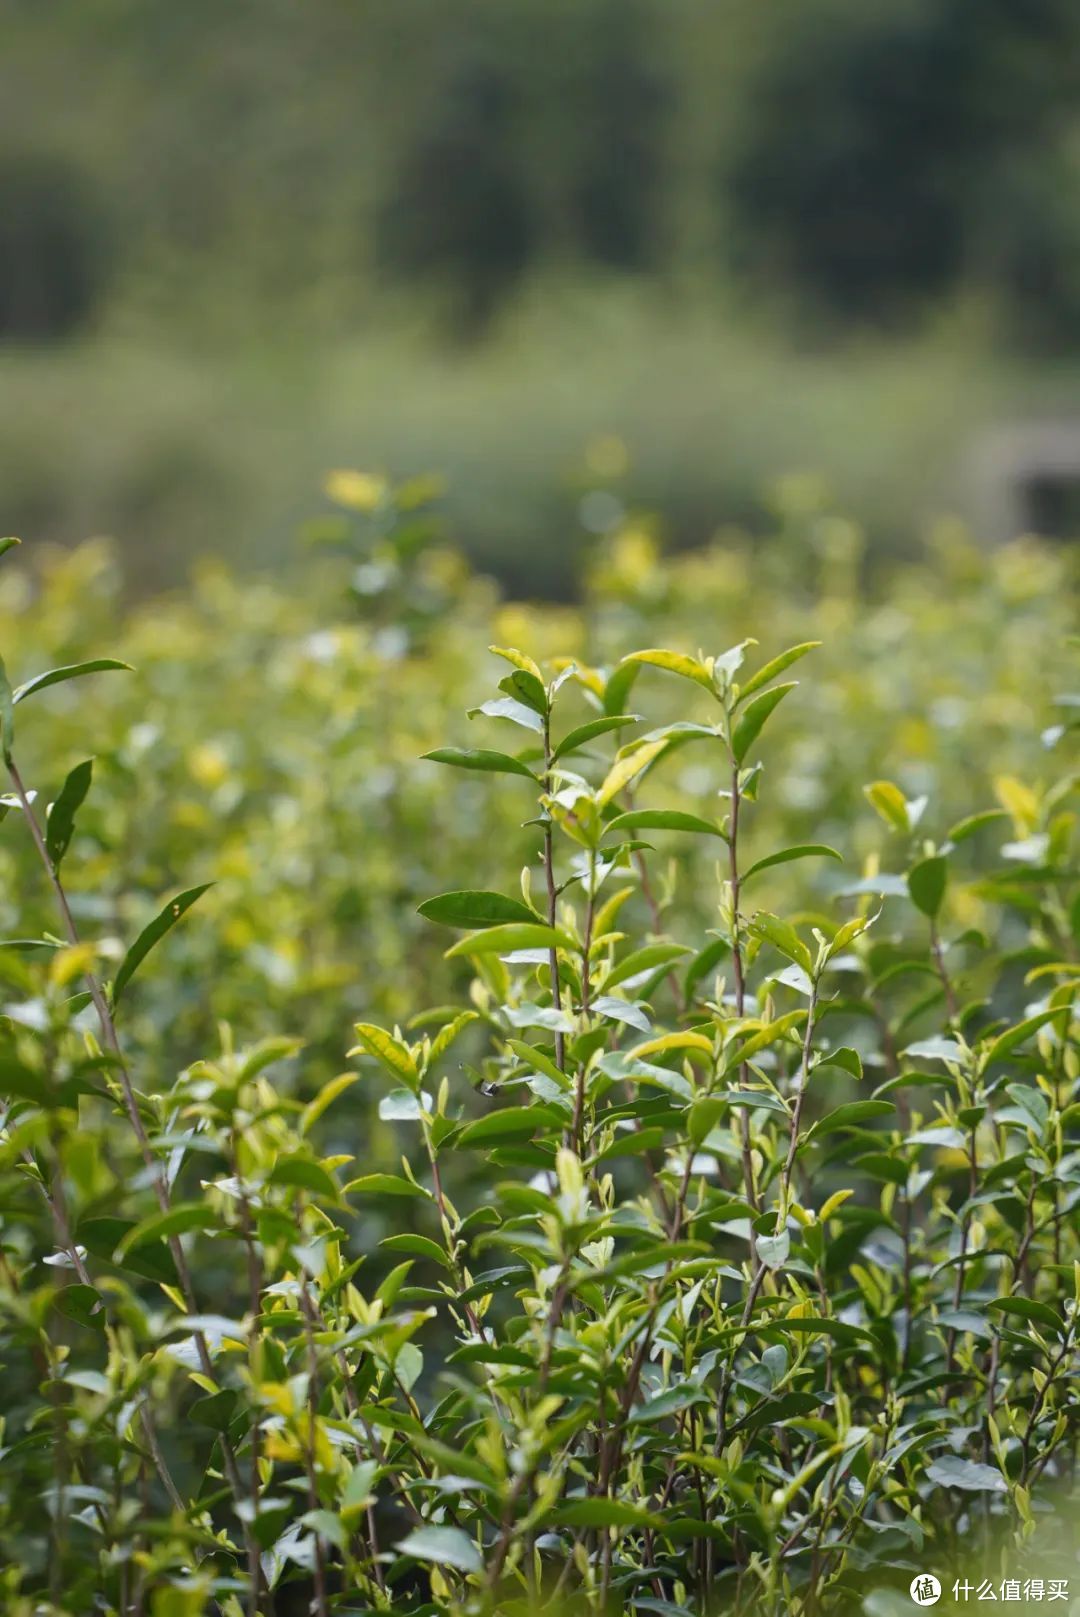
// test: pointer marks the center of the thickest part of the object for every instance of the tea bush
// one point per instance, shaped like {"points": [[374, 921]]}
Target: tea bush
{"points": [[695, 1230]]}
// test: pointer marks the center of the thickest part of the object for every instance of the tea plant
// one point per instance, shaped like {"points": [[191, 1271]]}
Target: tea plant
{"points": [[737, 1264]]}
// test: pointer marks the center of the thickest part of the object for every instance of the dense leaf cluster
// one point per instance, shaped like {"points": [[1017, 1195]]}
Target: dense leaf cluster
{"points": [[710, 1243]]}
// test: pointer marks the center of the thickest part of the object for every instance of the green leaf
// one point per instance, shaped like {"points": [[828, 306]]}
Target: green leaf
{"points": [[57, 676], [782, 937], [505, 939], [754, 716], [494, 763], [588, 732], [1013, 1037], [662, 820], [537, 1061], [889, 801], [513, 1123], [973, 822], [392, 1053], [926, 884], [1027, 1308], [445, 1546], [102, 1236], [850, 1116], [446, 1036], [675, 662], [474, 908], [951, 1471], [845, 1058], [602, 1513], [703, 1116], [417, 1246], [644, 961], [838, 1329], [508, 707], [704, 962], [216, 1410], [384, 1184], [8, 544], [304, 1174], [620, 682], [7, 713], [160, 1226], [152, 934], [81, 1303], [805, 850], [326, 1097], [526, 687], [518, 659], [627, 768], [60, 825], [770, 669], [773, 1250]]}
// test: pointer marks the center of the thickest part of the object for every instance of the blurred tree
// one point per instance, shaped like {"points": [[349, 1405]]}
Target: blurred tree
{"points": [[1025, 246], [871, 133], [460, 213], [619, 158], [52, 257]]}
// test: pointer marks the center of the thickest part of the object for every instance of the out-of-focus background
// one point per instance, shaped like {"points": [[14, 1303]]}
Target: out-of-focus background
{"points": [[719, 240]]}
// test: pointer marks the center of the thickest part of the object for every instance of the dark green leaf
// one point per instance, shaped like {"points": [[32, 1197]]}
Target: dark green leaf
{"points": [[494, 763], [304, 1174], [850, 1116], [584, 733], [473, 908], [61, 822], [806, 850], [56, 676], [152, 934], [445, 1546], [1028, 1308], [926, 884], [662, 820], [160, 1226], [770, 670], [754, 716]]}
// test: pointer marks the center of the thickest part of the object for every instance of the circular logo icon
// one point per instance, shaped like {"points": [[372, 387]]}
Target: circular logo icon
{"points": [[925, 1589]]}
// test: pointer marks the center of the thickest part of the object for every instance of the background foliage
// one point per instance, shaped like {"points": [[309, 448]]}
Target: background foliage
{"points": [[240, 245], [593, 1344]]}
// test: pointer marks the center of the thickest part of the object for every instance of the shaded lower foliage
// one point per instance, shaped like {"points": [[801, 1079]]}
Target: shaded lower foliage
{"points": [[726, 1259]]}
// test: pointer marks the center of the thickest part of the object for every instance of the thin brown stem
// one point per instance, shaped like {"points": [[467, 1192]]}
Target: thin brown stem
{"points": [[112, 1043], [552, 898]]}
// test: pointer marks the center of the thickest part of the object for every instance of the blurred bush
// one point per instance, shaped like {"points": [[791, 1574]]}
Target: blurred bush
{"points": [[460, 214], [270, 739], [53, 248], [876, 146]]}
